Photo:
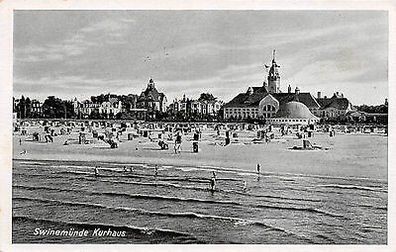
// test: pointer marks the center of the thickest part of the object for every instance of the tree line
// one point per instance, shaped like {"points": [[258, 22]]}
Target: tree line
{"points": [[54, 107]]}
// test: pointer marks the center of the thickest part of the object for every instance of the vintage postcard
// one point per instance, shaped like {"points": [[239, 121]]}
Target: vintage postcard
{"points": [[197, 125]]}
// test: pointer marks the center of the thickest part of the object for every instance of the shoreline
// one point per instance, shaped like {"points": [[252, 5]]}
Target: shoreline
{"points": [[203, 167]]}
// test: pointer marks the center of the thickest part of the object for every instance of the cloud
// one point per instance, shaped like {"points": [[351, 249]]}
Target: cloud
{"points": [[192, 52], [110, 31]]}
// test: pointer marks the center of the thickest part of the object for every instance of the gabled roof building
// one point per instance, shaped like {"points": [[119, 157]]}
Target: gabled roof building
{"points": [[333, 107], [152, 100], [264, 102]]}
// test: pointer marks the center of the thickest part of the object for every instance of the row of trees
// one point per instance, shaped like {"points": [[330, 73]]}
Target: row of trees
{"points": [[23, 108], [52, 107], [383, 108]]}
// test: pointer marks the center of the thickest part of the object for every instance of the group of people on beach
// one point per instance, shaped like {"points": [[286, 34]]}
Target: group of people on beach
{"points": [[178, 141], [213, 179]]}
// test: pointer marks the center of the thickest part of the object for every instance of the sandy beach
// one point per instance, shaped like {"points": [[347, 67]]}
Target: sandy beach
{"points": [[350, 155]]}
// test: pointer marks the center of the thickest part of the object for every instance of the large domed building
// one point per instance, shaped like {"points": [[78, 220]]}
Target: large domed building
{"points": [[264, 102], [293, 112]]}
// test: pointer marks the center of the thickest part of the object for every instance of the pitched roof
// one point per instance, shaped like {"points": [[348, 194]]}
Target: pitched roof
{"points": [[323, 102], [246, 100], [334, 102], [152, 94], [261, 89], [306, 98], [253, 100]]}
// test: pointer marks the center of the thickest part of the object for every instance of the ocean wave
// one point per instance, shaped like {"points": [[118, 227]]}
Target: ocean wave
{"points": [[163, 197], [72, 166], [236, 221], [142, 175], [217, 168], [384, 208], [171, 185], [134, 229], [353, 187], [32, 163], [157, 184], [147, 212], [270, 196]]}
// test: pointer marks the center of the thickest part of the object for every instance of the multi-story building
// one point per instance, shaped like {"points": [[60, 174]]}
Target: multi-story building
{"points": [[36, 108], [152, 100], [108, 108], [333, 107], [264, 102], [195, 108]]}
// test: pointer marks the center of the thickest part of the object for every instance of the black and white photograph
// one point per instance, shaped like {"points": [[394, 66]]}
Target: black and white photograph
{"points": [[200, 126]]}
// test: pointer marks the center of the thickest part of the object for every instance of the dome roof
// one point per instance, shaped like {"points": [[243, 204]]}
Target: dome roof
{"points": [[294, 109]]}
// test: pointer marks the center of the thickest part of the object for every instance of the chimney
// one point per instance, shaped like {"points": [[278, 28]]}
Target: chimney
{"points": [[319, 95], [289, 89]]}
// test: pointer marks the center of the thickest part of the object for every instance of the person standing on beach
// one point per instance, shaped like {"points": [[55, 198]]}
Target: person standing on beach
{"points": [[195, 141], [258, 169], [20, 141], [178, 142]]}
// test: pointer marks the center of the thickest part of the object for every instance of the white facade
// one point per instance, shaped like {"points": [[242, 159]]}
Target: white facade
{"points": [[292, 121], [196, 107], [331, 112], [110, 108], [241, 112], [268, 106], [86, 107]]}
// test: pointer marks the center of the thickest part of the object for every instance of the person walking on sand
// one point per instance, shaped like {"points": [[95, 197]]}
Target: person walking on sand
{"points": [[258, 169], [20, 141]]}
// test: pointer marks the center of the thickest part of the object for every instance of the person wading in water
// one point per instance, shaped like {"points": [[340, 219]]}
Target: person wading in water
{"points": [[155, 173], [213, 182], [96, 171]]}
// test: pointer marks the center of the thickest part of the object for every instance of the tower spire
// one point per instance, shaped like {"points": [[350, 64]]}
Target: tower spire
{"points": [[273, 76], [273, 56]]}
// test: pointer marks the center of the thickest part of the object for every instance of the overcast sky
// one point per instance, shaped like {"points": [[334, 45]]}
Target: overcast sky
{"points": [[82, 53]]}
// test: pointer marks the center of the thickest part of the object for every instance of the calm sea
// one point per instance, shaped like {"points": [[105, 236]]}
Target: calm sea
{"points": [[176, 206]]}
